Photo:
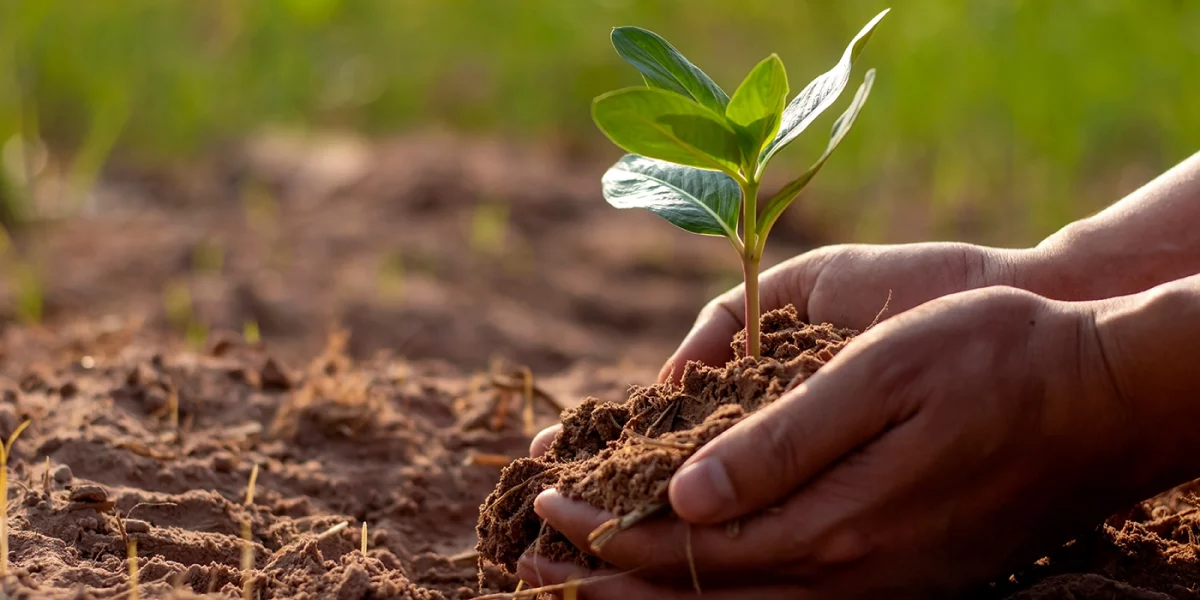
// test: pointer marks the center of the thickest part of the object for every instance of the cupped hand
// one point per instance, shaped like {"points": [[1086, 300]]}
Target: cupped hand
{"points": [[938, 449], [847, 285]]}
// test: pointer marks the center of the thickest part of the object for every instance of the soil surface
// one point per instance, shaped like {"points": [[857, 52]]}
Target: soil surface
{"points": [[128, 443], [401, 289]]}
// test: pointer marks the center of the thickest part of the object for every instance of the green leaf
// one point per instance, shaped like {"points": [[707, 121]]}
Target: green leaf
{"points": [[757, 104], [664, 68], [667, 126], [699, 201], [841, 127], [818, 95]]}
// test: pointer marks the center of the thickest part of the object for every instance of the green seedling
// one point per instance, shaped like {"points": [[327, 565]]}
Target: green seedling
{"points": [[697, 155]]}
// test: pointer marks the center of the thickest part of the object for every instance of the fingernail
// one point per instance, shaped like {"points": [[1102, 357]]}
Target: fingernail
{"points": [[667, 371], [701, 490], [545, 500]]}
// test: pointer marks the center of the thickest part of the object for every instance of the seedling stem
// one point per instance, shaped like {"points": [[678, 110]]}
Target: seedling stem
{"points": [[751, 254]]}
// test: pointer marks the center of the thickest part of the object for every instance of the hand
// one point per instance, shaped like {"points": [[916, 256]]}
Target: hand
{"points": [[847, 286], [940, 448]]}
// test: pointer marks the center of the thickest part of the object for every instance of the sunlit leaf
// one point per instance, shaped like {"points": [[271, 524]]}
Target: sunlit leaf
{"points": [[757, 104], [818, 95], [841, 127], [667, 126], [663, 67], [699, 201]]}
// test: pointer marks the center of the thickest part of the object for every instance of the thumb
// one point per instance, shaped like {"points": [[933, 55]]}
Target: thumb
{"points": [[777, 449], [789, 282]]}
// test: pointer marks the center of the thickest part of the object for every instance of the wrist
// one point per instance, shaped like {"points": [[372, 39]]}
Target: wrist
{"points": [[1149, 343], [1029, 269]]}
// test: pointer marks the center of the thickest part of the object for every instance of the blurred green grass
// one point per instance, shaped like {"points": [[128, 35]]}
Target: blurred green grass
{"points": [[992, 120]]}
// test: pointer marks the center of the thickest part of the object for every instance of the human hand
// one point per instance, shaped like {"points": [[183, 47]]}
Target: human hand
{"points": [[938, 449], [845, 285], [848, 285]]}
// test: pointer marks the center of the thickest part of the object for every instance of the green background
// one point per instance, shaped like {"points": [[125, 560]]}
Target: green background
{"points": [[991, 120]]}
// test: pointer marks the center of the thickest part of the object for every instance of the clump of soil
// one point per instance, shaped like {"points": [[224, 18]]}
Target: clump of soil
{"points": [[620, 456]]}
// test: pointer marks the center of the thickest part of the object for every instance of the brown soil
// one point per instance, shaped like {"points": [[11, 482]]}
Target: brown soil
{"points": [[387, 240], [407, 448], [620, 456]]}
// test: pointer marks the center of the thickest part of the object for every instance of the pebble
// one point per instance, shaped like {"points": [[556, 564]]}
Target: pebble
{"points": [[89, 494], [62, 474], [136, 526]]}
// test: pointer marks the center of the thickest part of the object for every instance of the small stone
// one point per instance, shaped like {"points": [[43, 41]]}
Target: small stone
{"points": [[136, 526], [89, 494], [223, 462], [62, 474], [88, 523], [32, 499]]}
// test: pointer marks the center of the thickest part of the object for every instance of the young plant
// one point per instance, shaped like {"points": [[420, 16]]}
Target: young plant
{"points": [[698, 155]]}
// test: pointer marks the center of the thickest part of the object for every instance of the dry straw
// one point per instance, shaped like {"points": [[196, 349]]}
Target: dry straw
{"points": [[133, 569], [5, 452], [247, 540], [250, 485]]}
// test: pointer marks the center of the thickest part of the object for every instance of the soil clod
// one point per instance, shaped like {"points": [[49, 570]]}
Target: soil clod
{"points": [[620, 457]]}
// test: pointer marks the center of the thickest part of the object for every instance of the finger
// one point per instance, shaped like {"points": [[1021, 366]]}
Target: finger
{"points": [[541, 442], [800, 540], [772, 452], [572, 518], [608, 584], [708, 341]]}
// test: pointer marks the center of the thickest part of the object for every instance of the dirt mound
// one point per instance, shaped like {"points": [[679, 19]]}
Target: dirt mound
{"points": [[620, 456], [130, 443]]}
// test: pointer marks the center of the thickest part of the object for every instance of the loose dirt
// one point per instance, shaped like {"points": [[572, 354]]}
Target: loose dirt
{"points": [[620, 456], [439, 256]]}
